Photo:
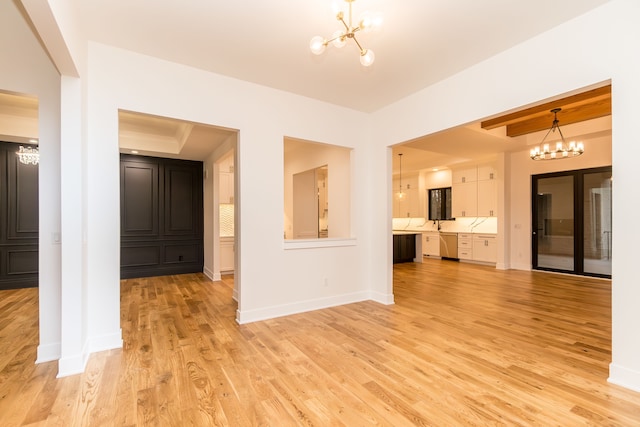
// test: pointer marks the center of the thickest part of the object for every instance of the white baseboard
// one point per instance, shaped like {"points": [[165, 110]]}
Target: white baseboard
{"points": [[211, 275], [386, 299], [624, 377], [48, 352], [248, 316], [106, 342], [502, 266], [75, 364], [524, 267]]}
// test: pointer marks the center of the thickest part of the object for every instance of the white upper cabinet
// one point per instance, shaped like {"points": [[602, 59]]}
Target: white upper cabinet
{"points": [[461, 176], [474, 191], [409, 206], [226, 187], [487, 172], [464, 199], [225, 180], [487, 198]]}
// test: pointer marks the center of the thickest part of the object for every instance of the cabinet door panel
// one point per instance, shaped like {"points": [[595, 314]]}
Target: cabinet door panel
{"points": [[487, 198], [180, 202], [139, 199], [464, 199]]}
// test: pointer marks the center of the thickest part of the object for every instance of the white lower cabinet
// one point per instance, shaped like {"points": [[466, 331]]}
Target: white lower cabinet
{"points": [[431, 243], [485, 248], [465, 246], [227, 254]]}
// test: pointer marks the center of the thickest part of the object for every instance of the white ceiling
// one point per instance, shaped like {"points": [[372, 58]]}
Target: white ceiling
{"points": [[267, 42]]}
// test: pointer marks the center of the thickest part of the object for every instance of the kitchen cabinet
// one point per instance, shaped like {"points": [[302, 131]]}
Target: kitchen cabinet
{"points": [[465, 246], [462, 176], [409, 207], [464, 199], [431, 243], [487, 198], [404, 247], [227, 254], [474, 191], [487, 190], [485, 248], [487, 172], [226, 187]]}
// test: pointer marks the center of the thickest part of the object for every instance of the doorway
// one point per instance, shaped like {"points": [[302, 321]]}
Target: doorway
{"points": [[571, 214]]}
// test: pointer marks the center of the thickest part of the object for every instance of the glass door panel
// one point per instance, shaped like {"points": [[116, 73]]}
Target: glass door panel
{"points": [[597, 223], [554, 227]]}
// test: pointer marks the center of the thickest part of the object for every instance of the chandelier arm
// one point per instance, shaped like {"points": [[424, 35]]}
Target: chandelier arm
{"points": [[561, 135], [359, 46], [346, 27], [548, 132], [326, 42]]}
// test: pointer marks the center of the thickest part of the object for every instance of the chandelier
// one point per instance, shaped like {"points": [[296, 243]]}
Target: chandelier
{"points": [[339, 38], [561, 150], [400, 195], [29, 155]]}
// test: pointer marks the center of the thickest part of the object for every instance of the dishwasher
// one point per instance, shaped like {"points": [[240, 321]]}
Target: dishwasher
{"points": [[449, 245]]}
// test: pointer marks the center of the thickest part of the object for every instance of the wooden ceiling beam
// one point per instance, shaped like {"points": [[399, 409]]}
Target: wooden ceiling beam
{"points": [[567, 116], [542, 110]]}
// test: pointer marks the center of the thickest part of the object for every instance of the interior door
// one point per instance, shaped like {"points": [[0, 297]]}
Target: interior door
{"points": [[305, 205]]}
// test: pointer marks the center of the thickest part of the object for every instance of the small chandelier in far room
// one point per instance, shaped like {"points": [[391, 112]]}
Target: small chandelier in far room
{"points": [[400, 195], [562, 150], [339, 38], [28, 155]]}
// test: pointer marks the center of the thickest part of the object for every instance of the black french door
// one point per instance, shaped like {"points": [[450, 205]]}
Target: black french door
{"points": [[571, 227]]}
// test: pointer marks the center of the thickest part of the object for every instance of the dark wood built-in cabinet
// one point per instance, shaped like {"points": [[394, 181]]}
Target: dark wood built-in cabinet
{"points": [[18, 220], [404, 248], [161, 220]]}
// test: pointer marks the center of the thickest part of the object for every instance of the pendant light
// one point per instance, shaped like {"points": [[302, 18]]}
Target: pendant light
{"points": [[562, 150], [400, 195]]}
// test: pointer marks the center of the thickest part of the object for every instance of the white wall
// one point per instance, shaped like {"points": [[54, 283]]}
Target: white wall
{"points": [[273, 282], [586, 51], [26, 69]]}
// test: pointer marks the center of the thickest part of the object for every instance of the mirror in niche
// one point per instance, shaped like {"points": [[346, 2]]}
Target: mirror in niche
{"points": [[309, 190]]}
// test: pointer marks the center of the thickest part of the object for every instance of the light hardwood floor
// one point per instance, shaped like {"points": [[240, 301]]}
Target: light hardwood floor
{"points": [[463, 345]]}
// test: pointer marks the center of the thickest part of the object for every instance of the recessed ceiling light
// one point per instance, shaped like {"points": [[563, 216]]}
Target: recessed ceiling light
{"points": [[435, 169]]}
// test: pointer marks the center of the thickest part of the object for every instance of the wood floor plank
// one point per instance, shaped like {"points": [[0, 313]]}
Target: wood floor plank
{"points": [[463, 344]]}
